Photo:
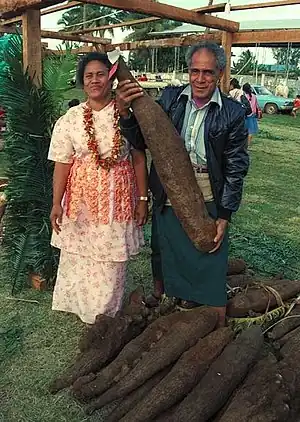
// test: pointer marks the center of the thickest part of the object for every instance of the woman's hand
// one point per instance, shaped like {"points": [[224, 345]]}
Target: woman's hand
{"points": [[126, 92], [56, 218], [141, 213]]}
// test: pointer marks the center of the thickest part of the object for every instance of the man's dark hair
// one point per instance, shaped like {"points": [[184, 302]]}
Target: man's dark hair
{"points": [[90, 57], [235, 83], [214, 48], [74, 102]]}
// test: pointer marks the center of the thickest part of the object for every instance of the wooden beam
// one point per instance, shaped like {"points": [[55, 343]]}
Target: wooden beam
{"points": [[11, 8], [227, 45], [169, 12], [60, 35], [115, 25], [273, 36], [32, 46], [44, 12], [265, 4], [166, 42], [215, 8]]}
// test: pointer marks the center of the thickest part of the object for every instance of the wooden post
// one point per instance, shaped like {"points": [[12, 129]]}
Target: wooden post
{"points": [[226, 44], [32, 46]]}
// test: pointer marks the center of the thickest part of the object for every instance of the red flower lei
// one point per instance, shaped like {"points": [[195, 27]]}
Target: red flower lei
{"points": [[109, 162]]}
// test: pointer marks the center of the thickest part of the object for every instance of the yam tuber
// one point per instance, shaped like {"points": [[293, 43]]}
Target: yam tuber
{"points": [[119, 332], [286, 325], [130, 354], [239, 280], [262, 396], [221, 379], [258, 298], [236, 266], [184, 375], [135, 397], [173, 166], [166, 351]]}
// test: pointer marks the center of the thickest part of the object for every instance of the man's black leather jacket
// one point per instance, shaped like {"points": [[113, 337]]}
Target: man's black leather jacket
{"points": [[225, 137]]}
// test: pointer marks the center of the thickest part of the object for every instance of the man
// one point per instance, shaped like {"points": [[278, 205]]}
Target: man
{"points": [[212, 126]]}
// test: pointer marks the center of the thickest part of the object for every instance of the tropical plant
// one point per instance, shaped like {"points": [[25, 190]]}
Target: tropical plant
{"points": [[246, 63], [31, 112], [287, 56], [90, 15]]}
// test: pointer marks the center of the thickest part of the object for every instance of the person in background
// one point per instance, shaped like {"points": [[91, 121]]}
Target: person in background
{"points": [[99, 197], [73, 103], [212, 126], [252, 119], [236, 92], [296, 106]]}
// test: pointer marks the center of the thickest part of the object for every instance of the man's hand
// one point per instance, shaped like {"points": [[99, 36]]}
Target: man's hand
{"points": [[126, 92], [56, 218], [221, 230]]}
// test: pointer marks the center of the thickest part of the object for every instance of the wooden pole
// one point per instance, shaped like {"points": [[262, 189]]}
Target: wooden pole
{"points": [[32, 46], [227, 45]]}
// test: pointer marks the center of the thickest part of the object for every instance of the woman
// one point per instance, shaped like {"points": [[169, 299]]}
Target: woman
{"points": [[99, 198], [251, 120], [235, 90]]}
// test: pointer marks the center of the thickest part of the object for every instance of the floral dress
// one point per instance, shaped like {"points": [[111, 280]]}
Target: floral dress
{"points": [[98, 232]]}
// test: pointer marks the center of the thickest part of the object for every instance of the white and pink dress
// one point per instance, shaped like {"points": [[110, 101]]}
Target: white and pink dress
{"points": [[98, 233]]}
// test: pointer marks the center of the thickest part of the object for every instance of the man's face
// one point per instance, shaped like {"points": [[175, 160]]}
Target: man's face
{"points": [[204, 74]]}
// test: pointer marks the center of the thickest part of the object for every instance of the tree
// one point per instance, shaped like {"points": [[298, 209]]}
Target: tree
{"points": [[287, 56], [246, 63], [90, 15]]}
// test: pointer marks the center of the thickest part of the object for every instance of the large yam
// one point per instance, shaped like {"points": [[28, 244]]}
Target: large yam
{"points": [[184, 375], [236, 266], [135, 397], [262, 397], [130, 354], [223, 376], [165, 352], [288, 324], [99, 348], [259, 298], [173, 166]]}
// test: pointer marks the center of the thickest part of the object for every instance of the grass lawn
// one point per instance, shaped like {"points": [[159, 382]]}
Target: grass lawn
{"points": [[36, 344]]}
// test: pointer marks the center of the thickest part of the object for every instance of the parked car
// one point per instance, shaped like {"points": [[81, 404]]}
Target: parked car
{"points": [[270, 103]]}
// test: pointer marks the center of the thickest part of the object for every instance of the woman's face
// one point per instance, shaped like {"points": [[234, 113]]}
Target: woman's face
{"points": [[96, 83]]}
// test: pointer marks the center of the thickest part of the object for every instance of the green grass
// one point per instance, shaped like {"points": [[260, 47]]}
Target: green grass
{"points": [[2, 164], [36, 344]]}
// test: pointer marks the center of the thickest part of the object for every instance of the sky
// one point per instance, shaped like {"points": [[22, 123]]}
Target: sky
{"points": [[264, 55]]}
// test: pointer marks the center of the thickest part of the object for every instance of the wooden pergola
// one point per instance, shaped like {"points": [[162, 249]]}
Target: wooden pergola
{"points": [[29, 12]]}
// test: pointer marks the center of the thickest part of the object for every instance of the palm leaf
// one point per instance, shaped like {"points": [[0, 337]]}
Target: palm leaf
{"points": [[31, 113]]}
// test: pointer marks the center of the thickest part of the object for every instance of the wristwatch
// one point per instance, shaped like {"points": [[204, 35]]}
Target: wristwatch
{"points": [[144, 198]]}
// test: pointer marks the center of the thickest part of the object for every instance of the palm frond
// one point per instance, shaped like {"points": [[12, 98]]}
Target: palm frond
{"points": [[31, 112]]}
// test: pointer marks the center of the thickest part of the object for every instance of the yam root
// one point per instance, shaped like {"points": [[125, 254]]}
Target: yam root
{"points": [[291, 349], [119, 332], [239, 280], [165, 352], [184, 375], [173, 166], [130, 354], [135, 397], [294, 333], [286, 325], [236, 266], [221, 379], [258, 298], [262, 397]]}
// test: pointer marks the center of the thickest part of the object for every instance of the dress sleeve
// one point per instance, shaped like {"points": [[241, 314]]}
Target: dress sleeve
{"points": [[61, 147]]}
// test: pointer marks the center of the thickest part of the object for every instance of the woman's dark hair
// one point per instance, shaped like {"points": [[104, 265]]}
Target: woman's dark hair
{"points": [[247, 89], [73, 103], [235, 83], [90, 57]]}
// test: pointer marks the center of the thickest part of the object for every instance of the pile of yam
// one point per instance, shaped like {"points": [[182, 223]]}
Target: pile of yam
{"points": [[172, 366]]}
